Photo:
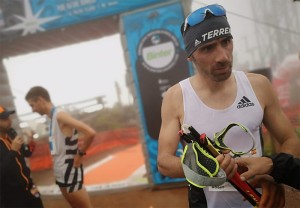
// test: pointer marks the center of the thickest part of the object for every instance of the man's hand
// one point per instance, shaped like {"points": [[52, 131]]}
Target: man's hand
{"points": [[227, 163], [77, 161], [273, 194], [255, 166], [17, 143]]}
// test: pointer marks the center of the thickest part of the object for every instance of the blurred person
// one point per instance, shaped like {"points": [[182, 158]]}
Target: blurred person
{"points": [[283, 167], [69, 140], [16, 186], [215, 97]]}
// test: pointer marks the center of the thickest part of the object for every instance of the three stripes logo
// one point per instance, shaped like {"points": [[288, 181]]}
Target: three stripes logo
{"points": [[197, 42], [244, 102]]}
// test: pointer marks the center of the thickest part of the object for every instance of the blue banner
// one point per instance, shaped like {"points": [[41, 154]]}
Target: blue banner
{"points": [[75, 11], [158, 61], [32, 16]]}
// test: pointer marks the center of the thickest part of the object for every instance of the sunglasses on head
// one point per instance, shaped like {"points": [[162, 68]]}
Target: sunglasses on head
{"points": [[199, 15]]}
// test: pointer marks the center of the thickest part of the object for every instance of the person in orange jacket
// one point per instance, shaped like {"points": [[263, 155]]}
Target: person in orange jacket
{"points": [[16, 186]]}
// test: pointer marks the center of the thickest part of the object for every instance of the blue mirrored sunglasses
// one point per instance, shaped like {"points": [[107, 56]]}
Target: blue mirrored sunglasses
{"points": [[199, 15]]}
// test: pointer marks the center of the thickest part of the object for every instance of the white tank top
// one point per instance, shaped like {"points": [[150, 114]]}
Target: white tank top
{"points": [[63, 149], [245, 110]]}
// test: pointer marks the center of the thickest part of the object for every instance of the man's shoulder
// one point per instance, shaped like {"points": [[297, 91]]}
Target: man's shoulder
{"points": [[172, 97], [261, 86], [174, 90], [62, 115], [256, 78]]}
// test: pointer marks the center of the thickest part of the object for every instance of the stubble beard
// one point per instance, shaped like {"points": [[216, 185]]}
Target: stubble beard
{"points": [[212, 72], [221, 71], [221, 77]]}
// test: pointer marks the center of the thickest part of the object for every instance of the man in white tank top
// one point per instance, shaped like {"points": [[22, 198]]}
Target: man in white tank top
{"points": [[67, 155], [212, 99]]}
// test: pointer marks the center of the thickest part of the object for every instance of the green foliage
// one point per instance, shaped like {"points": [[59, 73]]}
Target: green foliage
{"points": [[268, 144], [298, 132]]}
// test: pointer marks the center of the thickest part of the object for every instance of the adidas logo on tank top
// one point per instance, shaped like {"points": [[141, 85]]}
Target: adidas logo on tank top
{"points": [[244, 102]]}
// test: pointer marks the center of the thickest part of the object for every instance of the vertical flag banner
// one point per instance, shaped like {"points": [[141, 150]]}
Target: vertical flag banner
{"points": [[158, 61]]}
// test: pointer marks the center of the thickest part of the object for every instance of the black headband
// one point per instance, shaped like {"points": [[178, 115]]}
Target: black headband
{"points": [[210, 29]]}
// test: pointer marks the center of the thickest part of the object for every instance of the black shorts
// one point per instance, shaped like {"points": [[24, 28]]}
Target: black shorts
{"points": [[197, 197], [71, 187]]}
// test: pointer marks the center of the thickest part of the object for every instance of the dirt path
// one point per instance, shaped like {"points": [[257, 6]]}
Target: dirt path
{"points": [[135, 198], [147, 198]]}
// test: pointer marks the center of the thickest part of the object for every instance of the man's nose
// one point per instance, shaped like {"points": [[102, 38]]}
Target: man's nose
{"points": [[222, 54]]}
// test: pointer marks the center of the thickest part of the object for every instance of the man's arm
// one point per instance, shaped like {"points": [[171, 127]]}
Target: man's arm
{"points": [[68, 123], [274, 118], [280, 127], [168, 163], [284, 168]]}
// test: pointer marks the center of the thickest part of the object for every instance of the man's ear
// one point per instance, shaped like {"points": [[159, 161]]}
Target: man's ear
{"points": [[191, 58]]}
